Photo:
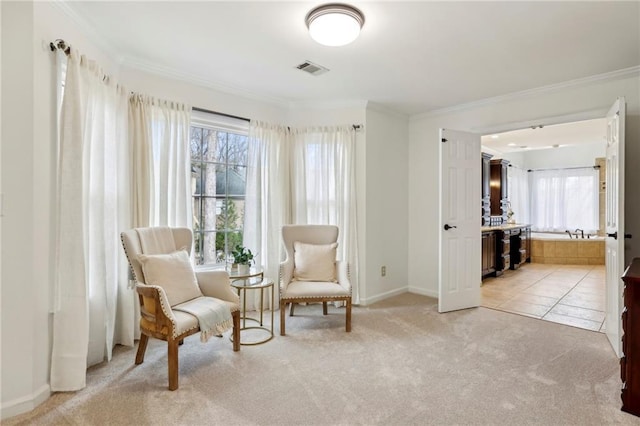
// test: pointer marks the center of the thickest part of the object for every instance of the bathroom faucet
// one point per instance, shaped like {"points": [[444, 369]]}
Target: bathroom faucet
{"points": [[581, 232], [568, 232]]}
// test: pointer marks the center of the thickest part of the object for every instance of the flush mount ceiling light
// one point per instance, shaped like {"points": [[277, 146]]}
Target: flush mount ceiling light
{"points": [[334, 24]]}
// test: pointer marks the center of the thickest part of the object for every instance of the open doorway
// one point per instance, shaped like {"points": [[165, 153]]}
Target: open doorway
{"points": [[555, 185]]}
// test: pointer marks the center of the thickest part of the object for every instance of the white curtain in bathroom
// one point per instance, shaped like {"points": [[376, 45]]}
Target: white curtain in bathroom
{"points": [[518, 184], [564, 199]]}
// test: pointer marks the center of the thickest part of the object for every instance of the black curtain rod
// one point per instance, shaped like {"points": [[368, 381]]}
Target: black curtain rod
{"points": [[564, 168], [220, 113]]}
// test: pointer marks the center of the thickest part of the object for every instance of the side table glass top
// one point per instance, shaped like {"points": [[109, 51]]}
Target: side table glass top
{"points": [[253, 278]]}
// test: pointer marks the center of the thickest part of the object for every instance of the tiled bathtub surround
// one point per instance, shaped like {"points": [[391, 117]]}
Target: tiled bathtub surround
{"points": [[567, 294], [567, 252]]}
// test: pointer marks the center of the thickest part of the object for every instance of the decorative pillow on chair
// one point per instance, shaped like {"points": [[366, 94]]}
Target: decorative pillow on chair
{"points": [[174, 273], [314, 262]]}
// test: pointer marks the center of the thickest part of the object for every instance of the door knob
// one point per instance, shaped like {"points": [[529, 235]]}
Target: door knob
{"points": [[628, 236], [447, 226], [614, 235]]}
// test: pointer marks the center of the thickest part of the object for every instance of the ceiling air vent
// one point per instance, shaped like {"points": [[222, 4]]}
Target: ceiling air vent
{"points": [[311, 68]]}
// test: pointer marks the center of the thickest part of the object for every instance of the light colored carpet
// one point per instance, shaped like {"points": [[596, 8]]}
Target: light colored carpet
{"points": [[402, 364]]}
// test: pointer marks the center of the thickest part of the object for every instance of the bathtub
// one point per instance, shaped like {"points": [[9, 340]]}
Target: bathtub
{"points": [[561, 236], [557, 248]]}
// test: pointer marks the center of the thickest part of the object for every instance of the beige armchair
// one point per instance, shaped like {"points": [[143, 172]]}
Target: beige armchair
{"points": [[310, 272], [159, 315]]}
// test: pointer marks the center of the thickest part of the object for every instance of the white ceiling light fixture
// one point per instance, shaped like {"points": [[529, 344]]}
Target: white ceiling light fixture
{"points": [[334, 24]]}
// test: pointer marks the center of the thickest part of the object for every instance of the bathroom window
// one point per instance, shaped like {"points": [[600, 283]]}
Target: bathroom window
{"points": [[564, 200]]}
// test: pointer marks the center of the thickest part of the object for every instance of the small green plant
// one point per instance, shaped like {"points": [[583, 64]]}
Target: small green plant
{"points": [[242, 255]]}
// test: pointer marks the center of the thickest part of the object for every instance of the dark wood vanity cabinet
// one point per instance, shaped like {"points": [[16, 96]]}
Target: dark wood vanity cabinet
{"points": [[503, 250], [630, 361], [520, 246], [498, 189], [488, 253]]}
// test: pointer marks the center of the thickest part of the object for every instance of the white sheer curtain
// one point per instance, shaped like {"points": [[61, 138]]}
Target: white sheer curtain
{"points": [[161, 129], [93, 206], [120, 165], [304, 176], [564, 199], [267, 201], [519, 193], [323, 186]]}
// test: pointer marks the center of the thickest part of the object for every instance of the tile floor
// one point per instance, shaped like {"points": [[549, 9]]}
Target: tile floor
{"points": [[566, 294]]}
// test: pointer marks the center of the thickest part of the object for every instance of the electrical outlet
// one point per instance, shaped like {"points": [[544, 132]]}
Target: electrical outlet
{"points": [[383, 271]]}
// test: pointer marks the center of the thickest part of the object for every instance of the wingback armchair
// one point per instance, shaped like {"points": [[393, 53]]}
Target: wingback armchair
{"points": [[158, 306], [310, 273]]}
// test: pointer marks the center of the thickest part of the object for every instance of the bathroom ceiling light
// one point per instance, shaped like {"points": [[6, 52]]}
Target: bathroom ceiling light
{"points": [[334, 24]]}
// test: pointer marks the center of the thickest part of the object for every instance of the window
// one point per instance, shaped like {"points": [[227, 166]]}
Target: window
{"points": [[219, 174], [564, 200]]}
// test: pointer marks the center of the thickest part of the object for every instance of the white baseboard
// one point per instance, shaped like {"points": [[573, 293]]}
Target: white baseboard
{"points": [[391, 293], [25, 403], [382, 296], [423, 292]]}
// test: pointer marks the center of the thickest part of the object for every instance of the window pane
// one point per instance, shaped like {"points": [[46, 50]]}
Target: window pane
{"points": [[196, 178], [212, 145], [196, 143], [213, 179], [236, 181], [237, 149]]}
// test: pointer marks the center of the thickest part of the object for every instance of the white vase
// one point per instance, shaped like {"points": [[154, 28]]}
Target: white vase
{"points": [[243, 269]]}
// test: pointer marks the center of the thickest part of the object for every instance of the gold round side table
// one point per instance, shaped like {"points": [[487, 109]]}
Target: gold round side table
{"points": [[254, 280]]}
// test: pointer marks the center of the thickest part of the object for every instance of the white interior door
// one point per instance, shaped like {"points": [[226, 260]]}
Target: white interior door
{"points": [[614, 214], [460, 273]]}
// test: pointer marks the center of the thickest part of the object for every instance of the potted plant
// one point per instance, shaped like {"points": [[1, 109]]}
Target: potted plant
{"points": [[242, 259]]}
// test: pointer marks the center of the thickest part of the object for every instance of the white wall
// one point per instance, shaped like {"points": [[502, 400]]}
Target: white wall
{"points": [[385, 230], [24, 322], [571, 103]]}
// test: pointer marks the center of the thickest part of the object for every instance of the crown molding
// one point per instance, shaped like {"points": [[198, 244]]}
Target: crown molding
{"points": [[88, 31], [199, 81], [552, 88]]}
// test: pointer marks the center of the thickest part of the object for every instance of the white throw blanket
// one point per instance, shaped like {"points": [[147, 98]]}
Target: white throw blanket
{"points": [[214, 316]]}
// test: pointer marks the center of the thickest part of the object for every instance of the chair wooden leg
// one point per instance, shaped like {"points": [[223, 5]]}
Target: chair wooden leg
{"points": [[236, 330], [142, 347], [283, 306], [324, 308], [173, 364], [348, 314], [291, 309]]}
